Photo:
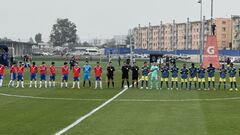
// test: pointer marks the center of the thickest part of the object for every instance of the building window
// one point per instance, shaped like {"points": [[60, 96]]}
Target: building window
{"points": [[223, 29], [224, 22]]}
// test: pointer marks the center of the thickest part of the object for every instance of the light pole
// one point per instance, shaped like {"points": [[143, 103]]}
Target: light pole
{"points": [[201, 37], [211, 12], [131, 47]]}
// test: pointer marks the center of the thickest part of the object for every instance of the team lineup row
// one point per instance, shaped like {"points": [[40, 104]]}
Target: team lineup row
{"points": [[190, 77]]}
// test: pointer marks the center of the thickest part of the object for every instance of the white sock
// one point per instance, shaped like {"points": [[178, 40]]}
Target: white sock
{"points": [[18, 84], [35, 84], [45, 84], [100, 84], [22, 84], [54, 84], [73, 84], [66, 84], [61, 84], [30, 84], [78, 84], [50, 84], [40, 84], [1, 83]]}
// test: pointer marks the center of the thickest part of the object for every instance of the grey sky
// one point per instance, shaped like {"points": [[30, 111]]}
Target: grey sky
{"points": [[100, 18]]}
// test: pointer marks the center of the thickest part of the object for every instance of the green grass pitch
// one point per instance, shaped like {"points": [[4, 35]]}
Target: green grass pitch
{"points": [[136, 112]]}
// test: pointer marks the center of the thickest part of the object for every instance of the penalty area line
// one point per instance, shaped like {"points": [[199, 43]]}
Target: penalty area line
{"points": [[64, 130]]}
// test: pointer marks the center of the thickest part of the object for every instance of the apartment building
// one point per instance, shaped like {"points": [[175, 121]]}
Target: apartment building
{"points": [[186, 36], [235, 32]]}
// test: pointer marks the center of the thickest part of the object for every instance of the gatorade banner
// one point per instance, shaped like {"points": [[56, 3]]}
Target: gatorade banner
{"points": [[211, 55]]}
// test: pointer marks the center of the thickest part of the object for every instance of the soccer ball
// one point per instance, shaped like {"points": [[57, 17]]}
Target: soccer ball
{"points": [[125, 86]]}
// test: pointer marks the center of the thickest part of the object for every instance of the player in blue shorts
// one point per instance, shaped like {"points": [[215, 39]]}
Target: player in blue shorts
{"points": [[52, 75], [232, 77], [86, 74], [184, 76], [193, 76], [2, 72], [76, 73], [165, 76], [223, 75], [145, 72], [43, 72], [65, 72], [20, 76], [13, 75], [98, 75], [33, 74], [174, 71], [201, 78], [211, 76]]}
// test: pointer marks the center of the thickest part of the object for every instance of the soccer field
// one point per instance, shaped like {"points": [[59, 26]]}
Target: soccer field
{"points": [[134, 112]]}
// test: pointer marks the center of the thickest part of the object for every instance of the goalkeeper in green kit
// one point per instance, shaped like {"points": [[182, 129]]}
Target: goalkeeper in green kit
{"points": [[154, 75]]}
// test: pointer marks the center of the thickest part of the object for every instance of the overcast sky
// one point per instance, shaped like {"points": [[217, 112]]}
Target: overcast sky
{"points": [[21, 19]]}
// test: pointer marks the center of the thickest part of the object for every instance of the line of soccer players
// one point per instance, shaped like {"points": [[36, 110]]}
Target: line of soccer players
{"points": [[17, 75], [192, 77]]}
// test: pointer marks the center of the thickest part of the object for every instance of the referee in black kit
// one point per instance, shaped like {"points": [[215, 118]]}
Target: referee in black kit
{"points": [[125, 74], [135, 74], [110, 74]]}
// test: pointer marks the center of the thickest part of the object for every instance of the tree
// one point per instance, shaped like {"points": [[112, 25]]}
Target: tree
{"points": [[86, 44], [38, 38], [30, 40], [73, 45], [64, 32]]}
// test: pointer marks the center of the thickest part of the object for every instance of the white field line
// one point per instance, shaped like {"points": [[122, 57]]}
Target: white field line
{"points": [[64, 130], [176, 100], [120, 100], [49, 98]]}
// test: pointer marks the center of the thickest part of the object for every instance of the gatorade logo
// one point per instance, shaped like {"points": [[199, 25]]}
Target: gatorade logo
{"points": [[210, 50]]}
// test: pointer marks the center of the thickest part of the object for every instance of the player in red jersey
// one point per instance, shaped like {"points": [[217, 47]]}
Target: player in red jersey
{"points": [[13, 74], [43, 72], [33, 74], [98, 75], [20, 71], [65, 72], [2, 71], [76, 73], [52, 72]]}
